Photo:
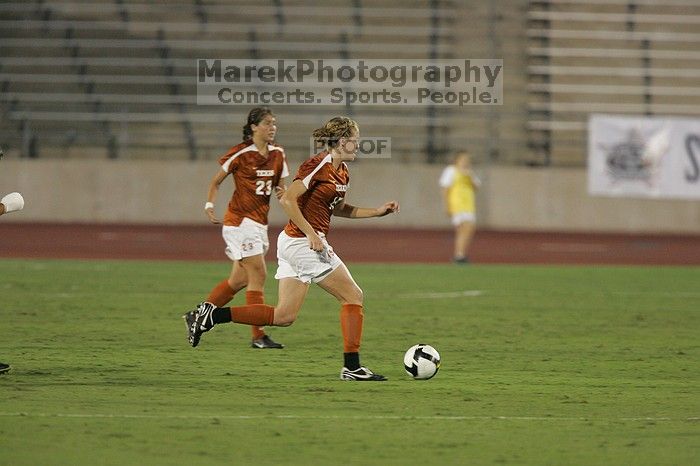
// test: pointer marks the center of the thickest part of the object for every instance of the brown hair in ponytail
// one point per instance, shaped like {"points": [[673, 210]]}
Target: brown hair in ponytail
{"points": [[255, 116], [334, 129]]}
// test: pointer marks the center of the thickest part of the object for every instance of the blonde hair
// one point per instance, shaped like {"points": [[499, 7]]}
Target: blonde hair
{"points": [[334, 129]]}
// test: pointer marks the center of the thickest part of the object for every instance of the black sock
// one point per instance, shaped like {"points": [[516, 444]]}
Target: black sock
{"points": [[352, 360], [221, 315]]}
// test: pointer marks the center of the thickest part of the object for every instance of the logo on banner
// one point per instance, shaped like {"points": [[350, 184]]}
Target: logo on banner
{"points": [[637, 157], [644, 157]]}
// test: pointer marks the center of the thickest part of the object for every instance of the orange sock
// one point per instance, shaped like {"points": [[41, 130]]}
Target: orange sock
{"points": [[253, 314], [255, 297], [351, 318], [221, 295]]}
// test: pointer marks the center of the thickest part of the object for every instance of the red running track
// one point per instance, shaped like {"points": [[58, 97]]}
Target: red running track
{"points": [[186, 242]]}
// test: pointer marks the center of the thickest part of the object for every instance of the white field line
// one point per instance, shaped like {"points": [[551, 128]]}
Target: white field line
{"points": [[670, 294], [443, 294], [475, 293], [312, 417]]}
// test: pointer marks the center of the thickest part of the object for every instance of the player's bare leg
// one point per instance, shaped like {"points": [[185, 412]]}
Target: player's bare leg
{"points": [[292, 293], [342, 286], [255, 269], [463, 236], [238, 279], [256, 272]]}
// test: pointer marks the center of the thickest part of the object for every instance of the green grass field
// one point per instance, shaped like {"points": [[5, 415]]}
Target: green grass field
{"points": [[546, 365]]}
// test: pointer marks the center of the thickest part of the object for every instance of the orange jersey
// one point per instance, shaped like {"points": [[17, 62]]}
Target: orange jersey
{"points": [[325, 186], [255, 177]]}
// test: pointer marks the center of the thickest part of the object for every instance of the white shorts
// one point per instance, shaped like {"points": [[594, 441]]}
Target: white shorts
{"points": [[462, 217], [246, 240], [296, 260]]}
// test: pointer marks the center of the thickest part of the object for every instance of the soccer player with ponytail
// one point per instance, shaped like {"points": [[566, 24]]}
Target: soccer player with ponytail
{"points": [[304, 254], [258, 167]]}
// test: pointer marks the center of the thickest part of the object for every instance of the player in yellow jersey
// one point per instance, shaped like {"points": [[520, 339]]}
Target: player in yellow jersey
{"points": [[459, 183]]}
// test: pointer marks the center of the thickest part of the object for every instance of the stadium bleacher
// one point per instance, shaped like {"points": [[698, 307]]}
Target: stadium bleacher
{"points": [[607, 56], [116, 78]]}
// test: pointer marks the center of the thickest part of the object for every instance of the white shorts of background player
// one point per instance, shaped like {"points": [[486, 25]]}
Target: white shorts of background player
{"points": [[246, 240], [463, 217]]}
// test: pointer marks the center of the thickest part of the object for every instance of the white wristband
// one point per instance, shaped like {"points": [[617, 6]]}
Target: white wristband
{"points": [[13, 202], [208, 205]]}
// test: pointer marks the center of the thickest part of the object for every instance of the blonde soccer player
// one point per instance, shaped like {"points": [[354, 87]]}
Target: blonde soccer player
{"points": [[304, 253], [258, 167], [459, 184]]}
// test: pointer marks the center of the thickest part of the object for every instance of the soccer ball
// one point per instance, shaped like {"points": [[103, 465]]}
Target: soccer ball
{"points": [[421, 361]]}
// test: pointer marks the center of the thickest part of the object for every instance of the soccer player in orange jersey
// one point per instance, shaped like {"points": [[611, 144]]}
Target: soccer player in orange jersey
{"points": [[304, 254], [258, 167]]}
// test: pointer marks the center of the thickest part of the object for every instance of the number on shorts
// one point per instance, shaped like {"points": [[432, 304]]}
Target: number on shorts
{"points": [[263, 188]]}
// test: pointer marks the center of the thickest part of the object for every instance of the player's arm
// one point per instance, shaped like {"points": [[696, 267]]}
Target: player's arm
{"points": [[211, 195], [476, 182], [446, 181], [281, 185], [346, 210], [280, 189], [290, 205]]}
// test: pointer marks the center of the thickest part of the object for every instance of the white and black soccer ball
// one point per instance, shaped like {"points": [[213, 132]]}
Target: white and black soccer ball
{"points": [[421, 362]]}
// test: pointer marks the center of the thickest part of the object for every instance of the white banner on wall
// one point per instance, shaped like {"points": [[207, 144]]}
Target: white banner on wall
{"points": [[644, 157]]}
